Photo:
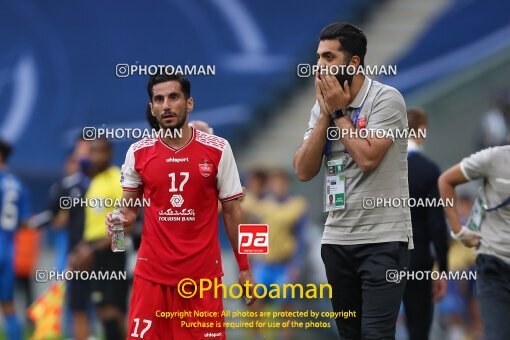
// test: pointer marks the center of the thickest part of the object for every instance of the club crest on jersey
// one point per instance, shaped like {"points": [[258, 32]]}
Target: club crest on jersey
{"points": [[205, 168]]}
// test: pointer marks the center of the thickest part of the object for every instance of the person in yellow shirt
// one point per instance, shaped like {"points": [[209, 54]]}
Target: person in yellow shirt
{"points": [[94, 252], [270, 201]]}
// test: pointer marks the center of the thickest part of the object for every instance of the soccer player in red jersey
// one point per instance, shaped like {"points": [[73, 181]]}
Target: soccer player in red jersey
{"points": [[183, 176]]}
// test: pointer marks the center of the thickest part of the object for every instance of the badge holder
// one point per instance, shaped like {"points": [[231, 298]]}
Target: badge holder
{"points": [[479, 210], [477, 215], [334, 185]]}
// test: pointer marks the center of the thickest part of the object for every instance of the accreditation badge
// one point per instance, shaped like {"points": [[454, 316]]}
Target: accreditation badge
{"points": [[334, 185], [474, 222]]}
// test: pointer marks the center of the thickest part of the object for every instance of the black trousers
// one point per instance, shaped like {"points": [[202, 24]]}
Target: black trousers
{"points": [[361, 284], [493, 290], [418, 304]]}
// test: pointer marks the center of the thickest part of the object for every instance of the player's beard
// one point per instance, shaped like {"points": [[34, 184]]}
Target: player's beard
{"points": [[181, 119], [343, 76]]}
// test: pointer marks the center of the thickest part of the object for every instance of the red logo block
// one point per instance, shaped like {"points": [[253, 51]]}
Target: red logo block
{"points": [[253, 239], [362, 123]]}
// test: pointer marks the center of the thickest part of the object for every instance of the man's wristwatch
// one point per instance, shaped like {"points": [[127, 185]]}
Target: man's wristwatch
{"points": [[337, 114]]}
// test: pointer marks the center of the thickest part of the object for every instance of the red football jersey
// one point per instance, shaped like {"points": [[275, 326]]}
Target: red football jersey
{"points": [[180, 230]]}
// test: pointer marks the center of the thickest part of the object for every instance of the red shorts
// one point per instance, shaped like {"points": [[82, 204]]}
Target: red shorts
{"points": [[151, 307]]}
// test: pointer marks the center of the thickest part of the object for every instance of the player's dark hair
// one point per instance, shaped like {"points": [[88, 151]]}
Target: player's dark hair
{"points": [[279, 172], [5, 150], [153, 122], [107, 143], [416, 117], [352, 40], [161, 78], [259, 174]]}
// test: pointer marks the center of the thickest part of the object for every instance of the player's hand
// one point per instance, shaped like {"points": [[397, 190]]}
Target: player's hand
{"points": [[438, 290], [110, 222], [246, 276], [335, 96], [320, 98], [468, 237]]}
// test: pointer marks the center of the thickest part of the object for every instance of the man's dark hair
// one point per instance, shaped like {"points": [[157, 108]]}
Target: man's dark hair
{"points": [[279, 172], [5, 150], [106, 142], [416, 117], [259, 174], [161, 78], [352, 39]]}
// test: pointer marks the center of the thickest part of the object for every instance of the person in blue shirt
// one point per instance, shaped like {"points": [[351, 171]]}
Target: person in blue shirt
{"points": [[14, 211]]}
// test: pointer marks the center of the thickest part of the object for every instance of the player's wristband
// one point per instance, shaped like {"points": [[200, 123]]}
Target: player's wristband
{"points": [[242, 261]]}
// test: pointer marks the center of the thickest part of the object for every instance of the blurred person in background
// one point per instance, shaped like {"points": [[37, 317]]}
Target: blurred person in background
{"points": [[488, 230], [459, 308], [74, 184], [256, 183], [26, 255], [72, 220], [495, 123], [286, 215], [429, 229], [60, 231], [201, 126], [14, 212], [93, 252], [256, 188]]}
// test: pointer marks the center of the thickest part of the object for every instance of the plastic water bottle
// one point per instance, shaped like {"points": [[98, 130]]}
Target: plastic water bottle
{"points": [[118, 241]]}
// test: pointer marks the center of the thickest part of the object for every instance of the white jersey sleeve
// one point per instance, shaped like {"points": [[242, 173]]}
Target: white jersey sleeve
{"points": [[130, 179], [228, 182]]}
